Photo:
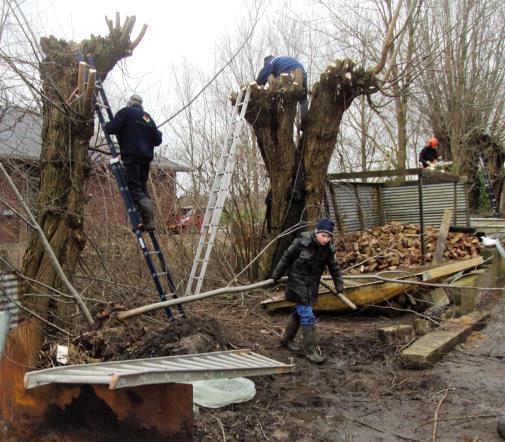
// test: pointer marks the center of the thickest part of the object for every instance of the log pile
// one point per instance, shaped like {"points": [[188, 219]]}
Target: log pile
{"points": [[398, 246]]}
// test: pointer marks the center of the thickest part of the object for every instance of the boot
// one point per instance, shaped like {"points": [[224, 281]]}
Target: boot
{"points": [[310, 344], [146, 208], [290, 331]]}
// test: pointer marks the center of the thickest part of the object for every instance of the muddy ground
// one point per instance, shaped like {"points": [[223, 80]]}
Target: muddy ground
{"points": [[361, 393]]}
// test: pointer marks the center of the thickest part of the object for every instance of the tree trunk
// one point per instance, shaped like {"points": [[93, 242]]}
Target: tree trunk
{"points": [[64, 161], [297, 171]]}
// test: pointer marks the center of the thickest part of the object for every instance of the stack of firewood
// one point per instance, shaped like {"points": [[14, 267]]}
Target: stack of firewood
{"points": [[397, 246]]}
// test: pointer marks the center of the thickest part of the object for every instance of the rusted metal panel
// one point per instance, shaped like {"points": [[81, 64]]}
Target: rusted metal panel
{"points": [[9, 296], [357, 205], [149, 412]]}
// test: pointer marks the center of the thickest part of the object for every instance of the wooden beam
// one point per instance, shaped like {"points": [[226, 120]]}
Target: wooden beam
{"points": [[90, 88], [430, 177], [374, 174], [80, 78], [442, 236], [432, 346]]}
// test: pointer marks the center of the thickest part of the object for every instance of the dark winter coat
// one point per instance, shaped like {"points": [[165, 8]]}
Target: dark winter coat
{"points": [[427, 155], [136, 132], [306, 260]]}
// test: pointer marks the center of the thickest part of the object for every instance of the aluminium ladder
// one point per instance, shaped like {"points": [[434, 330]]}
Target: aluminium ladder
{"points": [[218, 195], [489, 189], [164, 286], [161, 370]]}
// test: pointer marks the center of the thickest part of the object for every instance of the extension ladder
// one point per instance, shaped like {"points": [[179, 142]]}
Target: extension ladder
{"points": [[218, 195], [489, 188], [161, 275]]}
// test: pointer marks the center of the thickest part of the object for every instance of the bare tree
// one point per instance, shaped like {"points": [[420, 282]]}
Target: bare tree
{"points": [[463, 79], [65, 163], [297, 169]]}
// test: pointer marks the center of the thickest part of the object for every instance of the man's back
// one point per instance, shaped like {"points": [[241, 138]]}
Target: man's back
{"points": [[136, 132], [276, 66]]}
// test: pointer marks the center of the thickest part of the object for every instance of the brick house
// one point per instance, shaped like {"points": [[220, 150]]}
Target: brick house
{"points": [[20, 144]]}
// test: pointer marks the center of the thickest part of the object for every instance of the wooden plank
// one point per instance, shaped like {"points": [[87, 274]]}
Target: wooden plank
{"points": [[442, 236], [369, 294], [434, 345], [449, 269], [374, 174]]}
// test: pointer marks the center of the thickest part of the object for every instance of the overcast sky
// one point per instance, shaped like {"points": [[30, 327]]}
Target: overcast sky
{"points": [[177, 30]]}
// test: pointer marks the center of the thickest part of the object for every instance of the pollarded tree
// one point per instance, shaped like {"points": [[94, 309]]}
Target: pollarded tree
{"points": [[297, 166], [64, 162]]}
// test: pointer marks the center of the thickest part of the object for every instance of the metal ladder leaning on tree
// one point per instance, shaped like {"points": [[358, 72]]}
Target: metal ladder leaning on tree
{"points": [[218, 195], [489, 188], [164, 286]]}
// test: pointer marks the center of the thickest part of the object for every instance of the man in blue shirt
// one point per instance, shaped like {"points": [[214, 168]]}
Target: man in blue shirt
{"points": [[137, 135], [273, 67]]}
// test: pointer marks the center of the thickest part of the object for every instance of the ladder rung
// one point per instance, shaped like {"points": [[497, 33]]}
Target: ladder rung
{"points": [[160, 273]]}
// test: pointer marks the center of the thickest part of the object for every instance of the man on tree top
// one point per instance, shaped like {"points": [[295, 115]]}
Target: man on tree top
{"points": [[137, 136], [272, 69]]}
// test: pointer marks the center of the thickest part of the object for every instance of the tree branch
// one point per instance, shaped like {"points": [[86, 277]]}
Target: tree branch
{"points": [[52, 257]]}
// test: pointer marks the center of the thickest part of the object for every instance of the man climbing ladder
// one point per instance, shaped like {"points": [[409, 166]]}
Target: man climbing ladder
{"points": [[137, 135], [162, 278]]}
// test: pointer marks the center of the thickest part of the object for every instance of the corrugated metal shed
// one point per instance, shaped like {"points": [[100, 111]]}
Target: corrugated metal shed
{"points": [[9, 296], [355, 205], [401, 203]]}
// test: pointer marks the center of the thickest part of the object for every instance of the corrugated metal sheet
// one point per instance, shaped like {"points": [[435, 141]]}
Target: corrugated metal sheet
{"points": [[9, 296], [401, 203], [347, 207], [369, 200], [357, 205]]}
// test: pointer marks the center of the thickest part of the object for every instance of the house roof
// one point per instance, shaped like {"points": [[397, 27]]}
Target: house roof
{"points": [[20, 134], [21, 138], [165, 163]]}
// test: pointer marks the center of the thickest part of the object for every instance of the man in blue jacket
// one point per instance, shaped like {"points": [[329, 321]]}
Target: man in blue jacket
{"points": [[273, 67], [137, 135]]}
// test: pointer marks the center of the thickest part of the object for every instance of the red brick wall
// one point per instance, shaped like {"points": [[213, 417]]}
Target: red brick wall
{"points": [[104, 208], [12, 229]]}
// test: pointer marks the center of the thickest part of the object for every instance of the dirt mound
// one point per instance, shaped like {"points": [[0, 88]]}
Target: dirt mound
{"points": [[137, 341]]}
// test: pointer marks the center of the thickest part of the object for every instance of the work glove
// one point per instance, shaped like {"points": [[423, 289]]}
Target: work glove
{"points": [[276, 278]]}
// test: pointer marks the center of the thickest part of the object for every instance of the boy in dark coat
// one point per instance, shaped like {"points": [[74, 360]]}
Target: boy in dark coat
{"points": [[306, 259], [137, 135]]}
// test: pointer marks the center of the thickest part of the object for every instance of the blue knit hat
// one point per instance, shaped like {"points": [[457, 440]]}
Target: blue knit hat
{"points": [[325, 225]]}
